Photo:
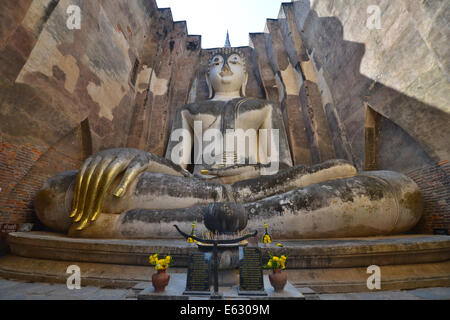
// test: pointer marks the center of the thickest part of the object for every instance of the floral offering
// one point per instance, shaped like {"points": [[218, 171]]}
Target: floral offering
{"points": [[266, 238], [160, 264], [190, 240], [276, 262]]}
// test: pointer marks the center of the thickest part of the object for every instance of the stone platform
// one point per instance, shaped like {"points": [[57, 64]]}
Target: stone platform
{"points": [[326, 266], [177, 285]]}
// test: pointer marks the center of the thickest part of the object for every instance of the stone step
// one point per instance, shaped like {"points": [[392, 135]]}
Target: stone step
{"points": [[347, 280], [303, 254], [337, 280], [325, 266]]}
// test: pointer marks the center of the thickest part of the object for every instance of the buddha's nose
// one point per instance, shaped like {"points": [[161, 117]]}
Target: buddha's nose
{"points": [[226, 70]]}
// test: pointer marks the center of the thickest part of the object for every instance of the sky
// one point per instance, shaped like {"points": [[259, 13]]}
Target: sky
{"points": [[212, 18]]}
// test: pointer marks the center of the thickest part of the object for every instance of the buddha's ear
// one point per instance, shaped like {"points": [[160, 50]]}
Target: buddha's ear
{"points": [[210, 88], [244, 84]]}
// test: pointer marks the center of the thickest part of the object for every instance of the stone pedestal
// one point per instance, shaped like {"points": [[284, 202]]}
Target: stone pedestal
{"points": [[175, 289], [326, 266]]}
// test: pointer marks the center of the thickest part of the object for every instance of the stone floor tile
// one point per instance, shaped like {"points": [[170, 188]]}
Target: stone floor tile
{"points": [[432, 294]]}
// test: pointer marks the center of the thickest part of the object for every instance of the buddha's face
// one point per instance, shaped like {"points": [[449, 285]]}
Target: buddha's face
{"points": [[227, 72]]}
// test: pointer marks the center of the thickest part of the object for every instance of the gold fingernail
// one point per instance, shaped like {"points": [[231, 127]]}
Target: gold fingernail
{"points": [[119, 192], [73, 213], [95, 216], [83, 225], [204, 171], [78, 218]]}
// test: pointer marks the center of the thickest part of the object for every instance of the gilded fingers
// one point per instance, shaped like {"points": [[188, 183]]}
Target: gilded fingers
{"points": [[137, 166], [111, 173], [84, 188], [94, 186], [96, 177], [78, 182]]}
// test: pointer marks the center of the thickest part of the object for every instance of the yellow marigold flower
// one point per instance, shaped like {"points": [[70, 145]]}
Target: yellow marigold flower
{"points": [[153, 259], [283, 258], [279, 244], [267, 239], [276, 259], [168, 259], [269, 264]]}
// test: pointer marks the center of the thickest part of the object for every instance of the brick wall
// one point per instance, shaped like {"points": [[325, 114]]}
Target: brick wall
{"points": [[23, 170], [15, 162], [434, 182]]}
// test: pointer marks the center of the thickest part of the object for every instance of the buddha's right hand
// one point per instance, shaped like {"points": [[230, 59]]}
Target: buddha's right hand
{"points": [[99, 171]]}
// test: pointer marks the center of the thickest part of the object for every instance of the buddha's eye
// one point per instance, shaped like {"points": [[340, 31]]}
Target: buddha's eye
{"points": [[217, 61], [234, 60]]}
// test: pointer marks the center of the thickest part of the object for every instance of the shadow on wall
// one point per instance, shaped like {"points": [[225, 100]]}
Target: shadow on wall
{"points": [[407, 135]]}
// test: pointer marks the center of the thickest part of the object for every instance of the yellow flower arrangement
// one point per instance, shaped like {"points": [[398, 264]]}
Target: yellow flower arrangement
{"points": [[276, 262], [160, 264], [266, 238], [190, 240]]}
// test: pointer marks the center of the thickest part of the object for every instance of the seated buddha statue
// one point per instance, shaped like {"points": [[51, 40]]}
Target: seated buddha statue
{"points": [[130, 193]]}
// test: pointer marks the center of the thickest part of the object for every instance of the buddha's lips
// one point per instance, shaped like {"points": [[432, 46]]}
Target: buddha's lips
{"points": [[226, 74]]}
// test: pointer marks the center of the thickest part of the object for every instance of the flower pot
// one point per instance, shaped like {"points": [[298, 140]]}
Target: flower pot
{"points": [[278, 279], [160, 280]]}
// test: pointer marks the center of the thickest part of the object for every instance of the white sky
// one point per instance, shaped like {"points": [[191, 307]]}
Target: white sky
{"points": [[212, 18]]}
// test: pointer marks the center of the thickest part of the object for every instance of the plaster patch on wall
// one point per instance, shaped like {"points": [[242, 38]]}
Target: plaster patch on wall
{"points": [[45, 56], [308, 70], [159, 86], [107, 95], [292, 80], [143, 78]]}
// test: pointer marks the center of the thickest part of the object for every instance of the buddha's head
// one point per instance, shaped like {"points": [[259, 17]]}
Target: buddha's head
{"points": [[227, 76]]}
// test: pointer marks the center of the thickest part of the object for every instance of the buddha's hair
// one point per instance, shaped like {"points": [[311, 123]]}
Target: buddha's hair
{"points": [[227, 51]]}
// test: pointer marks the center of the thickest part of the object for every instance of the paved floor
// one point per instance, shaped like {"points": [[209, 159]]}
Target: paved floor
{"points": [[15, 290], [418, 294]]}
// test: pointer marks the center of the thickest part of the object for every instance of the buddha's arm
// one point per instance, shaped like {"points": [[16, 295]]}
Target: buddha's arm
{"points": [[274, 146], [179, 152]]}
